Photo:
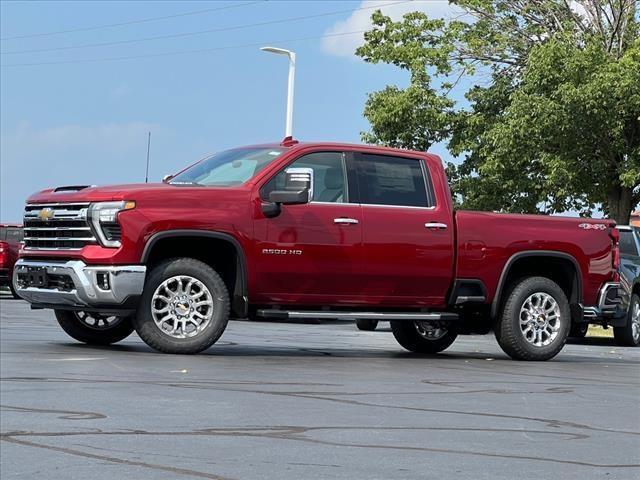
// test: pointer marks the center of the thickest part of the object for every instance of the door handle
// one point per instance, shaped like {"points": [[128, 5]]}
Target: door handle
{"points": [[345, 221], [436, 225]]}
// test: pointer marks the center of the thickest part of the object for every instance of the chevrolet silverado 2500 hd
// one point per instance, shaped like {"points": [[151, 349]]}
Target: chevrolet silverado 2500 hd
{"points": [[311, 230]]}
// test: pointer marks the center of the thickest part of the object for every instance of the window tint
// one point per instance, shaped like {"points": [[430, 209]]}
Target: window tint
{"points": [[627, 243], [386, 180], [11, 234], [328, 177]]}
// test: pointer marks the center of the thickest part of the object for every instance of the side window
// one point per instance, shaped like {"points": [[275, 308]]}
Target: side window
{"points": [[627, 243], [328, 174], [387, 180]]}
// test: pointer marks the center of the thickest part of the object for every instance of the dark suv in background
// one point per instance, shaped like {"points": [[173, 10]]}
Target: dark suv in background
{"points": [[11, 237], [629, 334]]}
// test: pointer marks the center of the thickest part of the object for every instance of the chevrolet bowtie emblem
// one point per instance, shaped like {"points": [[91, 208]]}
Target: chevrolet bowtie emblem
{"points": [[45, 214]]}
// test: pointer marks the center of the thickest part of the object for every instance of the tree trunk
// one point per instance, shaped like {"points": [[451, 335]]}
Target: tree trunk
{"points": [[620, 204]]}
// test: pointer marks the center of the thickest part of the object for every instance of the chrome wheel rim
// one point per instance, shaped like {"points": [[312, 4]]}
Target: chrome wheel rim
{"points": [[182, 306], [430, 330], [635, 321], [96, 321], [540, 319]]}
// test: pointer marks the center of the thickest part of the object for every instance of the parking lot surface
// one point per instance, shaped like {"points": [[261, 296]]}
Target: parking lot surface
{"points": [[289, 401]]}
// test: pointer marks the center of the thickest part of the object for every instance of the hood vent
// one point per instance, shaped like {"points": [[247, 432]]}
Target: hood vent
{"points": [[72, 188]]}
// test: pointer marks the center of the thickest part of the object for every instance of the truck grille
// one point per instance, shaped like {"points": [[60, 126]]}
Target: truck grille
{"points": [[57, 226]]}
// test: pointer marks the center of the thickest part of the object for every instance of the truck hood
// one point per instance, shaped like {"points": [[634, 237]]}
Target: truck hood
{"points": [[98, 194]]}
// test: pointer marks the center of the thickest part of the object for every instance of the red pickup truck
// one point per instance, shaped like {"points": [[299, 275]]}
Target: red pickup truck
{"points": [[10, 244], [311, 230]]}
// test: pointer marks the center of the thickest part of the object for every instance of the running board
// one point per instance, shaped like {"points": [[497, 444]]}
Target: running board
{"points": [[382, 316]]}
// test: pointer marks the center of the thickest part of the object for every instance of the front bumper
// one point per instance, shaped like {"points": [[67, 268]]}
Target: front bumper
{"points": [[612, 306], [73, 284]]}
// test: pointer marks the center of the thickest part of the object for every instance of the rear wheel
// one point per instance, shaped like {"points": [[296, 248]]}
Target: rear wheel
{"points": [[366, 325], [578, 330], [184, 307], [629, 335], [93, 328], [423, 337], [535, 320]]}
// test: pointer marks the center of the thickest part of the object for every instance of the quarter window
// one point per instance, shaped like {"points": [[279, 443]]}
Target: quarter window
{"points": [[329, 183], [387, 180]]}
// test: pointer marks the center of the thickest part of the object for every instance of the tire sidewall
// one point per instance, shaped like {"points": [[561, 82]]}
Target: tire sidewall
{"points": [[518, 346], [76, 329], [149, 331]]}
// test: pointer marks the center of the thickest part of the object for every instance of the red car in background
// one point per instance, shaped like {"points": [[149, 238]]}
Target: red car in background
{"points": [[11, 236]]}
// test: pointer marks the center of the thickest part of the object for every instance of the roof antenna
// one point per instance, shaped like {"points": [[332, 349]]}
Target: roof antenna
{"points": [[146, 176]]}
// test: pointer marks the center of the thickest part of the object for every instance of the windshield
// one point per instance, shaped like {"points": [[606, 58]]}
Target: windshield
{"points": [[228, 168]]}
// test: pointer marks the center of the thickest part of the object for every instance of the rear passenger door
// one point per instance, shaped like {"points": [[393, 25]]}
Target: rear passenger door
{"points": [[407, 237]]}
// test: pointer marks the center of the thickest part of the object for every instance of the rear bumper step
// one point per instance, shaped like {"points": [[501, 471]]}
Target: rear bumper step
{"points": [[409, 316]]}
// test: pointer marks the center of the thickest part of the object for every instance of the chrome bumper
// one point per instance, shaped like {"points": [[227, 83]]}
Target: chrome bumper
{"points": [[611, 303], [82, 288]]}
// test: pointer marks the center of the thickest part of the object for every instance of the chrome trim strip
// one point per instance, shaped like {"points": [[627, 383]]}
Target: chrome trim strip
{"points": [[39, 229], [60, 239], [40, 205], [433, 316]]}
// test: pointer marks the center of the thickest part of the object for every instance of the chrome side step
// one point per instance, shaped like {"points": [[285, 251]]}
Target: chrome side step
{"points": [[382, 316]]}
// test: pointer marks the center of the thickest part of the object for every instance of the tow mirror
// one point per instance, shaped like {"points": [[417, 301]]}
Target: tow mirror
{"points": [[166, 178], [298, 187]]}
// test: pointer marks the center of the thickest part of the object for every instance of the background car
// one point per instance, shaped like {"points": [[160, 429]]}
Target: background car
{"points": [[11, 236], [629, 334]]}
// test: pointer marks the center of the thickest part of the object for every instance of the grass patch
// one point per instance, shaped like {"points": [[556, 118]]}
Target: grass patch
{"points": [[598, 331]]}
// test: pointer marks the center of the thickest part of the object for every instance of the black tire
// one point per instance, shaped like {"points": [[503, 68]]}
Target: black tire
{"points": [[366, 324], [13, 291], [162, 341], [508, 332], [408, 336], [78, 325], [578, 330], [625, 336]]}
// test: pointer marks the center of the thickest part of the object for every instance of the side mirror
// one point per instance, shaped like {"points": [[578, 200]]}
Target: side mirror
{"points": [[166, 178], [298, 187]]}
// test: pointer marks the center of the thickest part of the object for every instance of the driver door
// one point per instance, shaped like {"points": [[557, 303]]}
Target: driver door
{"points": [[311, 253]]}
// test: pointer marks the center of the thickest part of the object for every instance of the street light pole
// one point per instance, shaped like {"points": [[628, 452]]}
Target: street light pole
{"points": [[290, 84]]}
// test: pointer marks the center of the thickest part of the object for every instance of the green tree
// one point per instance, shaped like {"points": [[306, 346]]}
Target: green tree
{"points": [[553, 122]]}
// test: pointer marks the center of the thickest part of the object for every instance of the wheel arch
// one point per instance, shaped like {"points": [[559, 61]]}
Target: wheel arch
{"points": [[520, 259], [238, 279]]}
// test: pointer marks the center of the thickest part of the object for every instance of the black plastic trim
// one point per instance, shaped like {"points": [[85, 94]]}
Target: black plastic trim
{"points": [[533, 253], [240, 303], [456, 299]]}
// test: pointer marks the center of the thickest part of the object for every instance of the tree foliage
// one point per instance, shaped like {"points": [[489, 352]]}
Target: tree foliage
{"points": [[552, 120]]}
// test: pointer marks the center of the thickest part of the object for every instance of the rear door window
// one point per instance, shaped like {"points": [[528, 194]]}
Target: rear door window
{"points": [[391, 180], [628, 243]]}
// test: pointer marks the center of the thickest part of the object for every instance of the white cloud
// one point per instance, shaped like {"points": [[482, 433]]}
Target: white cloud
{"points": [[335, 43]]}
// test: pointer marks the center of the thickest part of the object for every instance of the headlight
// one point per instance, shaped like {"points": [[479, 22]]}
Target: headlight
{"points": [[104, 220]]}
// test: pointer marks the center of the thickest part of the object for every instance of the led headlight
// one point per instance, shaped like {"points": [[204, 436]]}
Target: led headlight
{"points": [[104, 221]]}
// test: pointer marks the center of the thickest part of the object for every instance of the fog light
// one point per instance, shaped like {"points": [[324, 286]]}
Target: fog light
{"points": [[103, 281]]}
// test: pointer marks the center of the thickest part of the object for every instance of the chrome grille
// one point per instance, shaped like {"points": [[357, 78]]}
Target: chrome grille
{"points": [[57, 226]]}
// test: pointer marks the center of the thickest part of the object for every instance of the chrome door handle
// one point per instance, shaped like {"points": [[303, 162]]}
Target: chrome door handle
{"points": [[436, 225], [345, 221]]}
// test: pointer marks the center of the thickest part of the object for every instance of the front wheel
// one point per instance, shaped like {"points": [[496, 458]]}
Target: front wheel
{"points": [[423, 337], [184, 307], [93, 328], [629, 335], [535, 320]]}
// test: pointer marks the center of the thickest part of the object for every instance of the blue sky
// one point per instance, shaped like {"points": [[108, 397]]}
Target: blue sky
{"points": [[86, 121]]}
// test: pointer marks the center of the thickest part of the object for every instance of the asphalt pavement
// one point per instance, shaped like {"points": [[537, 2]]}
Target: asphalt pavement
{"points": [[291, 401]]}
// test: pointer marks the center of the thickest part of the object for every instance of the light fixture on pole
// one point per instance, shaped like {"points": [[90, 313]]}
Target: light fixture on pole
{"points": [[292, 74]]}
